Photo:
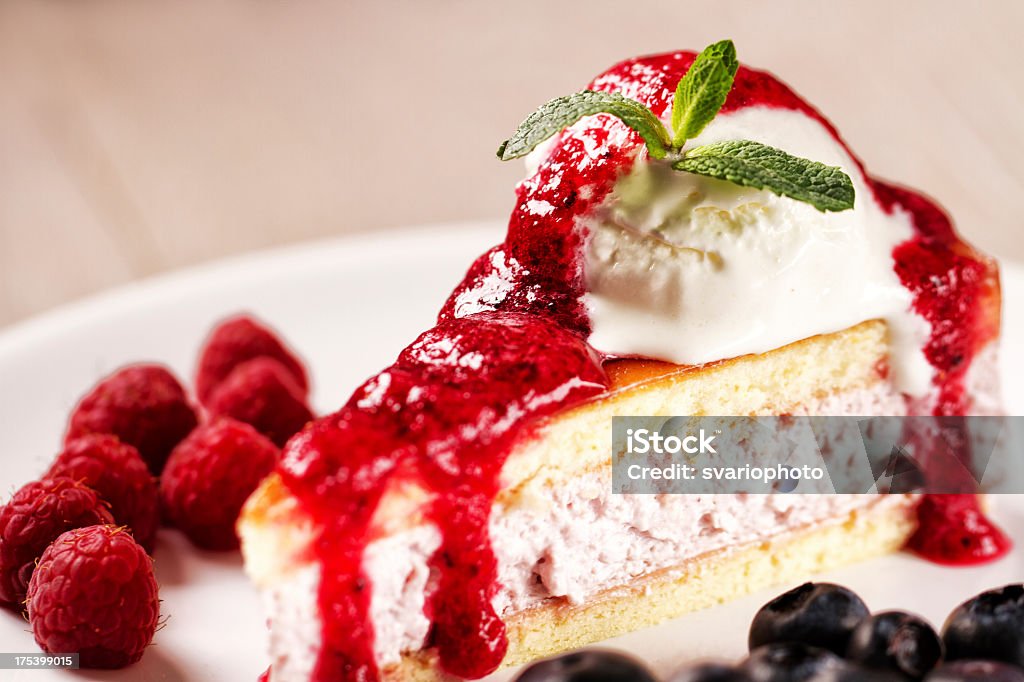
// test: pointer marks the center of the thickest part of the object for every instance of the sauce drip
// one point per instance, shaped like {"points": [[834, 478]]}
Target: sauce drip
{"points": [[510, 346], [948, 279], [954, 531]]}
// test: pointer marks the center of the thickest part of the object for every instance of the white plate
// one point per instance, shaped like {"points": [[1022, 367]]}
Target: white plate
{"points": [[348, 306]]}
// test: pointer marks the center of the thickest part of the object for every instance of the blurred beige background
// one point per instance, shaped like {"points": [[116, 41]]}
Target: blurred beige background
{"points": [[137, 137]]}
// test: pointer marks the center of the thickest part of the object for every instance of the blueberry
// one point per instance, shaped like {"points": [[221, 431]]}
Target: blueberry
{"points": [[854, 673], [988, 627], [818, 614], [897, 641], [791, 662], [710, 672], [589, 665], [970, 671]]}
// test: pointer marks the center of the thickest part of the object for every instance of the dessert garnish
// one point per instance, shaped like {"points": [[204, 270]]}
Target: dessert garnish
{"points": [[209, 476], [981, 640], [246, 372], [37, 514], [76, 541], [699, 96], [820, 614], [589, 664], [143, 405], [989, 627], [233, 342], [262, 393], [94, 593], [117, 473], [897, 641]]}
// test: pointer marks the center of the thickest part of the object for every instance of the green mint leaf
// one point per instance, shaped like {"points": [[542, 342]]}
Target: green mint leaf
{"points": [[753, 164], [562, 112], [702, 91]]}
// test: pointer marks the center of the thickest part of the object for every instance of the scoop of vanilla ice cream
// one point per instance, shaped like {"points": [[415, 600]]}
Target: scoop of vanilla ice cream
{"points": [[689, 269]]}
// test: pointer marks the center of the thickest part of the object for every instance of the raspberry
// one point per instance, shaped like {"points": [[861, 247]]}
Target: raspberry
{"points": [[115, 470], [262, 393], [94, 592], [143, 405], [38, 513], [210, 475], [233, 342]]}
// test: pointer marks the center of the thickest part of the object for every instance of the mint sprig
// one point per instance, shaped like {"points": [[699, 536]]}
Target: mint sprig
{"points": [[702, 91], [562, 112], [752, 164], [699, 96]]}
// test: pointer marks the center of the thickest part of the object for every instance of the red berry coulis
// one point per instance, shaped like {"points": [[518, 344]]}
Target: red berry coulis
{"points": [[510, 346], [954, 531]]}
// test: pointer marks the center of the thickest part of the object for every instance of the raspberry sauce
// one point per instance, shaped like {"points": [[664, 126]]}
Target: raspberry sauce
{"points": [[954, 531], [510, 346]]}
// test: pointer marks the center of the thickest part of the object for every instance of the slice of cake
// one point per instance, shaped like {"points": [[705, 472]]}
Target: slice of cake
{"points": [[457, 513]]}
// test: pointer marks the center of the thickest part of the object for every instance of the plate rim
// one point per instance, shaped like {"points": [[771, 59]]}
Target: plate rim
{"points": [[337, 249]]}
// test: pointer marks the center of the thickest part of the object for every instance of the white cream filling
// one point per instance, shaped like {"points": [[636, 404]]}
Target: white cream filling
{"points": [[690, 270], [583, 541]]}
